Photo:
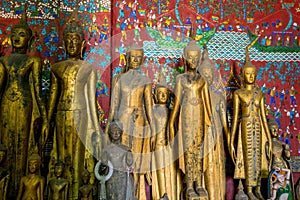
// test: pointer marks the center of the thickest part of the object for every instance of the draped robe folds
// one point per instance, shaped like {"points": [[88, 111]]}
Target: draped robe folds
{"points": [[18, 110], [251, 162], [74, 127], [193, 124], [214, 175]]}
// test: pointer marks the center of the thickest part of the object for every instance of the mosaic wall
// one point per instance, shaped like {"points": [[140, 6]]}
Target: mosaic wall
{"points": [[163, 28]]}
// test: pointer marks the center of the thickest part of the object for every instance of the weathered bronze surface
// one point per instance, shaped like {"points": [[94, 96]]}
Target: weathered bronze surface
{"points": [[164, 175], [32, 186], [4, 173], [120, 185], [20, 103], [253, 132], [214, 174], [131, 104], [73, 98], [192, 105], [58, 187]]}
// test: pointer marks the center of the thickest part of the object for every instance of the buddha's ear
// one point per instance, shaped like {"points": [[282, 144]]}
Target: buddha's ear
{"points": [[30, 42], [82, 48]]}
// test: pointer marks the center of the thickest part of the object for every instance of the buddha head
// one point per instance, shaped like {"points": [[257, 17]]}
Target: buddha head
{"points": [[273, 127], [59, 169], [115, 131], [206, 68], [21, 36], [74, 42], [248, 72], [34, 162], [134, 57], [191, 55], [85, 176], [161, 94]]}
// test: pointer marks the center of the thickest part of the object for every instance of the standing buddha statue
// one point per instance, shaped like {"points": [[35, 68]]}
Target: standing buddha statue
{"points": [[252, 130], [214, 175], [131, 104], [192, 105], [20, 87], [73, 98]]}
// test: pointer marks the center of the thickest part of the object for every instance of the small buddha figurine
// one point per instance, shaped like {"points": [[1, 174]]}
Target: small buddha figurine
{"points": [[87, 191], [131, 104], [73, 100], [192, 106], [250, 124], [4, 173], [20, 103], [165, 163], [120, 185], [32, 185], [58, 187]]}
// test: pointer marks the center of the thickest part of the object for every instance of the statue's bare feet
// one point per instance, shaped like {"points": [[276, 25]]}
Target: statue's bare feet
{"points": [[258, 194], [191, 193], [201, 191], [251, 196]]}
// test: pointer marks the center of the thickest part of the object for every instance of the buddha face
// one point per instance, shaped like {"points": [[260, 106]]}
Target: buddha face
{"points": [[58, 170], [33, 166], [249, 75], [73, 43], [19, 38], [274, 130], [162, 95], [207, 73], [136, 58], [85, 178], [192, 58], [2, 156], [115, 133]]}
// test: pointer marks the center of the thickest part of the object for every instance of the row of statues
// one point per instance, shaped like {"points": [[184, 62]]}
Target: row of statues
{"points": [[176, 147]]}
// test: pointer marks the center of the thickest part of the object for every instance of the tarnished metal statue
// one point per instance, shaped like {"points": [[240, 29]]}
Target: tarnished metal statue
{"points": [[73, 98], [58, 186], [164, 176], [131, 104], [192, 105], [249, 124], [32, 185], [214, 174], [20, 89]]}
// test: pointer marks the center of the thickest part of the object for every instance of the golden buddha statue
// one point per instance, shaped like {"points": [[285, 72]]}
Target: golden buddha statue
{"points": [[165, 163], [4, 173], [131, 104], [58, 187], [87, 191], [73, 98], [214, 174], [192, 105], [252, 129], [20, 103], [120, 185], [32, 185]]}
